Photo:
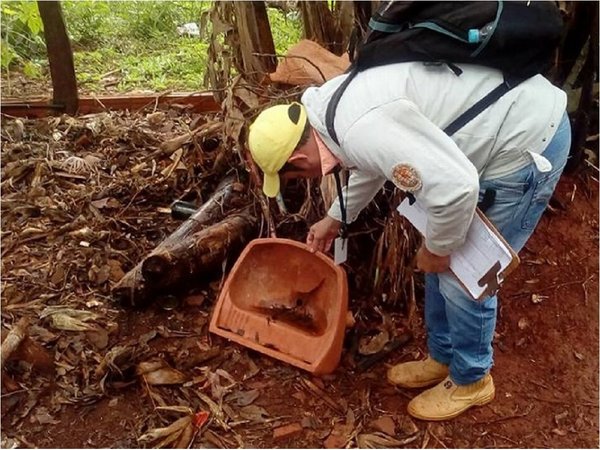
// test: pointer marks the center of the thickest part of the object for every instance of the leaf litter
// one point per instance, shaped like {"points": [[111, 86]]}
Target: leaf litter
{"points": [[82, 202]]}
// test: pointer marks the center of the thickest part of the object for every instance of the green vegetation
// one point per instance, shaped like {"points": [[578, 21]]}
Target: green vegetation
{"points": [[126, 44], [22, 38]]}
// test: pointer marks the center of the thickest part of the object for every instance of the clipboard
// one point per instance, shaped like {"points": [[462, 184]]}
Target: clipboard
{"points": [[485, 259]]}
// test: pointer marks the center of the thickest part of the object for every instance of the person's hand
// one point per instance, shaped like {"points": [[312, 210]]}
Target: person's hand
{"points": [[430, 262], [321, 234]]}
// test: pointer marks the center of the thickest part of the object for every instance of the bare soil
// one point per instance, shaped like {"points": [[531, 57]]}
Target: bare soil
{"points": [[546, 342]]}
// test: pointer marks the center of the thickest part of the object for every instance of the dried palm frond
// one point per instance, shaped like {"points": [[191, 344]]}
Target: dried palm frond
{"points": [[393, 260]]}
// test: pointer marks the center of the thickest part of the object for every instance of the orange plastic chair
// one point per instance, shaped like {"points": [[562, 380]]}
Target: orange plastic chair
{"points": [[286, 302]]}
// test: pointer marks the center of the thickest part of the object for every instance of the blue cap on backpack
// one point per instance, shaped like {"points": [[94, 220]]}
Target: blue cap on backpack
{"points": [[473, 36]]}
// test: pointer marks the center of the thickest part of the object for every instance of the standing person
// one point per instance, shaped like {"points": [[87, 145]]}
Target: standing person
{"points": [[389, 125]]}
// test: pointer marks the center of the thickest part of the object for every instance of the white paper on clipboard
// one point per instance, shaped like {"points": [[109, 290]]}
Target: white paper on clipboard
{"points": [[482, 253]]}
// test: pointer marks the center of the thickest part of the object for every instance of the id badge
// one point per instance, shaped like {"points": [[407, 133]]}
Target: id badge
{"points": [[340, 253]]}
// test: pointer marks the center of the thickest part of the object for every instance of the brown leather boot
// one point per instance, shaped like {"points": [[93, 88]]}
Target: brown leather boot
{"points": [[416, 374]]}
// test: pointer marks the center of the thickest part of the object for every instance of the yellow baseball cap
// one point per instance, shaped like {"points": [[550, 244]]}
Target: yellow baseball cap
{"points": [[272, 139]]}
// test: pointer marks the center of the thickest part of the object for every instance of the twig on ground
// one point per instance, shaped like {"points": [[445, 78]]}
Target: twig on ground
{"points": [[401, 392], [501, 436], [540, 384], [561, 402], [559, 285], [150, 394], [583, 285], [426, 434], [505, 418], [591, 165], [323, 395], [439, 441], [9, 394]]}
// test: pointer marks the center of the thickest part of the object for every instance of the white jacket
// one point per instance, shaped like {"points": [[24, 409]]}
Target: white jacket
{"points": [[391, 118]]}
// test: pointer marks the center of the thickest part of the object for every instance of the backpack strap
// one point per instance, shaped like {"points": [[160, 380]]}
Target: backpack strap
{"points": [[333, 102], [481, 105]]}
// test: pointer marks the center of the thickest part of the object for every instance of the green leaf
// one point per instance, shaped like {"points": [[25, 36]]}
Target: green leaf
{"points": [[9, 12], [7, 54], [34, 24], [31, 70], [29, 15]]}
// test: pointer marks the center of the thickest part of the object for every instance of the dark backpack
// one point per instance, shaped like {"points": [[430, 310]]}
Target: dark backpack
{"points": [[517, 37]]}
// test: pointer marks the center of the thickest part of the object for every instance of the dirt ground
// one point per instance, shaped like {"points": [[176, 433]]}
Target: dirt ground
{"points": [[546, 368], [546, 342]]}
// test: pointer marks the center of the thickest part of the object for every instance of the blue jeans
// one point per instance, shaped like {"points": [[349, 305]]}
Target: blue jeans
{"points": [[459, 329]]}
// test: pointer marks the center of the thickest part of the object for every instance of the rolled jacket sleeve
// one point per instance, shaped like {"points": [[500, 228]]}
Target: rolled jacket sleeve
{"points": [[396, 142]]}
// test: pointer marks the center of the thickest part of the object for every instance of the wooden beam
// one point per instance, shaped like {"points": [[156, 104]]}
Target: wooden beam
{"points": [[60, 56], [197, 102]]}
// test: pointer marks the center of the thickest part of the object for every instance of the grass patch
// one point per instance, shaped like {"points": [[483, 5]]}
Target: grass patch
{"points": [[125, 45], [156, 66]]}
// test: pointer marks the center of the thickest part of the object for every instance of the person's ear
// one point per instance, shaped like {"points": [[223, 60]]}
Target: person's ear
{"points": [[297, 157]]}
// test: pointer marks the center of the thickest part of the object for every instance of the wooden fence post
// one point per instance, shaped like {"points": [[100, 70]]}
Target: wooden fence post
{"points": [[60, 56]]}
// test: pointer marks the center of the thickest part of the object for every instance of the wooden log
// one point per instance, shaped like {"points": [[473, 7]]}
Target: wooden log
{"points": [[133, 289], [202, 253]]}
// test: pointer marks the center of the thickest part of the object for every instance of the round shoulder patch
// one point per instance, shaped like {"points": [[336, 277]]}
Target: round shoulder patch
{"points": [[406, 178]]}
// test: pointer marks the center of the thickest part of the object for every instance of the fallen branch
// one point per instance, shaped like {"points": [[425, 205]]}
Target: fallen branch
{"points": [[169, 147]]}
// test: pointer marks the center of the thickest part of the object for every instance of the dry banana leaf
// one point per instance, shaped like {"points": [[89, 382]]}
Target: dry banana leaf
{"points": [[167, 434], [382, 440]]}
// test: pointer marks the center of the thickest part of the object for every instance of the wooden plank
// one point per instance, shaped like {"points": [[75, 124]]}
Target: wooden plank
{"points": [[197, 102], [60, 56]]}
